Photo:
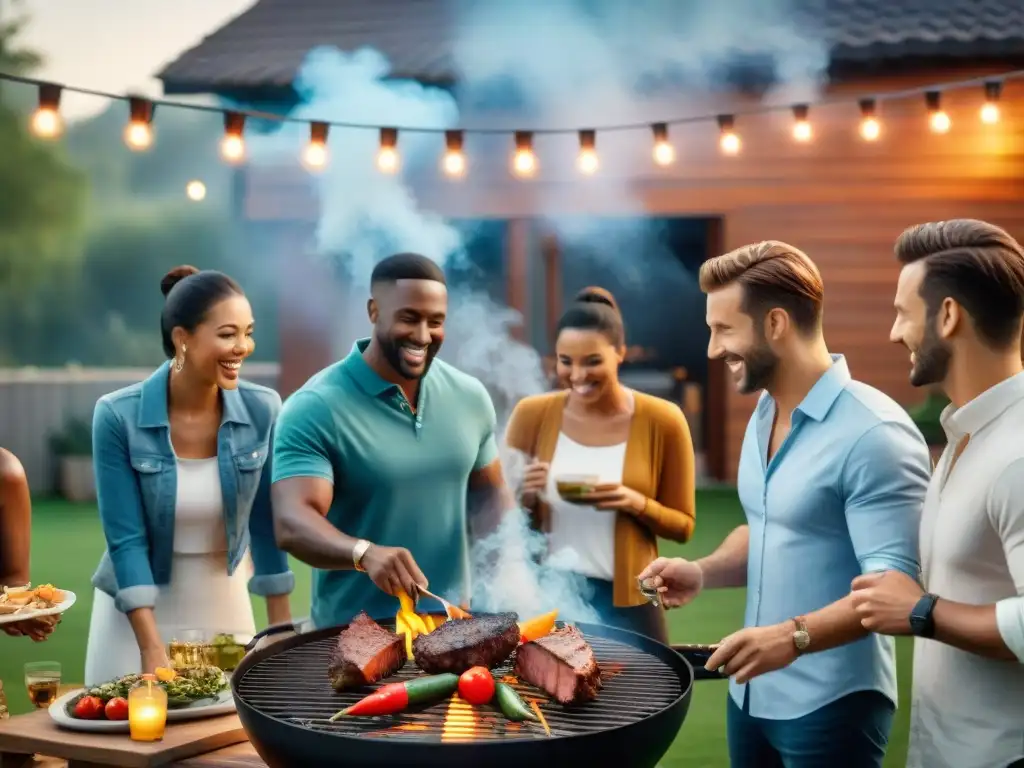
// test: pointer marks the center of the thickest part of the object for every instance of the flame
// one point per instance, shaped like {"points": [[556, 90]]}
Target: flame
{"points": [[460, 721], [412, 624], [540, 716]]}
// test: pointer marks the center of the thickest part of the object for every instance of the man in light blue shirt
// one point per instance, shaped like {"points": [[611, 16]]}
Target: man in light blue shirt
{"points": [[832, 477]]}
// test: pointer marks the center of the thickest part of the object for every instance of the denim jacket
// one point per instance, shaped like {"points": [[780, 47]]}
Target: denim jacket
{"points": [[136, 484]]}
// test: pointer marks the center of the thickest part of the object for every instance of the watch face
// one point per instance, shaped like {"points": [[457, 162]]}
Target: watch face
{"points": [[801, 639]]}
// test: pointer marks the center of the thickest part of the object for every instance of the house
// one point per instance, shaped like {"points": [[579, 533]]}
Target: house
{"points": [[840, 198]]}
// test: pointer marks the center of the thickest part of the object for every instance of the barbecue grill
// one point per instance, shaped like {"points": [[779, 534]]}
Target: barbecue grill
{"points": [[284, 701]]}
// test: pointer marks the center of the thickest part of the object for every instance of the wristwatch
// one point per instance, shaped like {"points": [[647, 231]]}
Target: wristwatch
{"points": [[801, 637], [358, 552], [922, 622]]}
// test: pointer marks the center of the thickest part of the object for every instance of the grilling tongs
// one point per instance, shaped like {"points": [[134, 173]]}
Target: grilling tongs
{"points": [[453, 611]]}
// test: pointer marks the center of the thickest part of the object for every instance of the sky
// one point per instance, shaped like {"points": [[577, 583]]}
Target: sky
{"points": [[115, 45]]}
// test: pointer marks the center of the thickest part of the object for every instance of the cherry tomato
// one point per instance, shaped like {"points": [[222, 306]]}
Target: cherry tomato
{"points": [[116, 709], [476, 685], [89, 708]]}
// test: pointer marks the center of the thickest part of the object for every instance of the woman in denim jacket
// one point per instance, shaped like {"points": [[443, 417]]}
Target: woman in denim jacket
{"points": [[182, 464]]}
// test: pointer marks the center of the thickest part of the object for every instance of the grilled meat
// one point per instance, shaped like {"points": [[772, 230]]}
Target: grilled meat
{"points": [[457, 645], [365, 653], [562, 664]]}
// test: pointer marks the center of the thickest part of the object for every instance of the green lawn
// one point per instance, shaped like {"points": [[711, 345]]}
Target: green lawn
{"points": [[67, 543]]}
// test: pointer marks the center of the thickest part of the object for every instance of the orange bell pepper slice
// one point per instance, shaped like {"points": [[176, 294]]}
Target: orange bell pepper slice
{"points": [[537, 627]]}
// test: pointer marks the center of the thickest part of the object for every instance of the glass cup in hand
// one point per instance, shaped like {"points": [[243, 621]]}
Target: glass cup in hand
{"points": [[42, 681]]}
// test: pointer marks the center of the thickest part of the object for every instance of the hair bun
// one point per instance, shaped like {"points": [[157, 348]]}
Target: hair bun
{"points": [[596, 295], [175, 276]]}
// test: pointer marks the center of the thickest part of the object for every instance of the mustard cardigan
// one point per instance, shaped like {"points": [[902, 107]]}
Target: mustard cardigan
{"points": [[659, 464]]}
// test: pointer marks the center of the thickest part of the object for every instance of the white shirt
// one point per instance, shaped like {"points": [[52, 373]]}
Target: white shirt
{"points": [[199, 509], [967, 710], [582, 537]]}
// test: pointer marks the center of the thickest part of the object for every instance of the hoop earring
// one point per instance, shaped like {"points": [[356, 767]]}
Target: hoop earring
{"points": [[179, 361]]}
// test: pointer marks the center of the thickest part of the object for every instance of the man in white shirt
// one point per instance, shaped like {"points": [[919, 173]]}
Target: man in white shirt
{"points": [[959, 309]]}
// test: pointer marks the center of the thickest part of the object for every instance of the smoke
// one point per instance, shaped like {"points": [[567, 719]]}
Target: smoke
{"points": [[527, 64]]}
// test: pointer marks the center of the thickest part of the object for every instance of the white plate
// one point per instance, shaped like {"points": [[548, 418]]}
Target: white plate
{"points": [[67, 602], [222, 705]]}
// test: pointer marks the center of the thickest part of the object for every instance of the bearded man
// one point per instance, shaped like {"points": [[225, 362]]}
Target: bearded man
{"points": [[373, 457], [832, 477]]}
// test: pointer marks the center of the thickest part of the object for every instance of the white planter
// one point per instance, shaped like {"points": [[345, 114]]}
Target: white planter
{"points": [[77, 482]]}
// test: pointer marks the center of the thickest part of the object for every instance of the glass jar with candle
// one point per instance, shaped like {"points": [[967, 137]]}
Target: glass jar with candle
{"points": [[147, 710]]}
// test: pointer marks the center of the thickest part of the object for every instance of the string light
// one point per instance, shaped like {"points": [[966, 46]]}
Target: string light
{"points": [[46, 120], [232, 146], [315, 155], [195, 190], [802, 131], [990, 111], [454, 162], [587, 161], [524, 162], [728, 141], [664, 152], [138, 134], [938, 121], [387, 155], [870, 128]]}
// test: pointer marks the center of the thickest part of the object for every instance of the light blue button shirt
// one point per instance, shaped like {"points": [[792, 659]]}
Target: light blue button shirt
{"points": [[842, 496]]}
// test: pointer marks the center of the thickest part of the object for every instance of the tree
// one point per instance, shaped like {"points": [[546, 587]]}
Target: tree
{"points": [[42, 196]]}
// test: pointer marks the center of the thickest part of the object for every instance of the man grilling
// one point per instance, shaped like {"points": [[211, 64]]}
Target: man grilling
{"points": [[374, 455]]}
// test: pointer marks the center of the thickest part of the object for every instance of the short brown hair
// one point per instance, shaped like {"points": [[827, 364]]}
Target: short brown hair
{"points": [[773, 275], [978, 265]]}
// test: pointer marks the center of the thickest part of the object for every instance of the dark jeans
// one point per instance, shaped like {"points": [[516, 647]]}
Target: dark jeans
{"points": [[642, 619], [851, 732]]}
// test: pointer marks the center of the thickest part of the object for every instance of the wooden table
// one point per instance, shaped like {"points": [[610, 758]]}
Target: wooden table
{"points": [[207, 743]]}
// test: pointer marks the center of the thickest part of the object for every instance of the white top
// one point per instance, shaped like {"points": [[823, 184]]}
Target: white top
{"points": [[582, 537], [968, 711], [199, 511]]}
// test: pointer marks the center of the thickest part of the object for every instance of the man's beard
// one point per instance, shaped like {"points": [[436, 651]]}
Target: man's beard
{"points": [[392, 351], [759, 366], [931, 358]]}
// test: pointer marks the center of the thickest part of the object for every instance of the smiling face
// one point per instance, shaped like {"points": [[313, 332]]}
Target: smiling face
{"points": [[588, 362], [917, 330], [216, 349], [739, 340], [408, 319]]}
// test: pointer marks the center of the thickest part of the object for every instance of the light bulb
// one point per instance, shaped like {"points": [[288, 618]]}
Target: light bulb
{"points": [[387, 159], [46, 123], [454, 163], [802, 131], [232, 148], [870, 128], [524, 163], [138, 135], [990, 114], [587, 161], [730, 143], [664, 153], [195, 190], [939, 122], [315, 155]]}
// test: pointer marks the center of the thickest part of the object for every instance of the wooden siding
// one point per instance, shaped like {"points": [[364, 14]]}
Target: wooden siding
{"points": [[839, 198]]}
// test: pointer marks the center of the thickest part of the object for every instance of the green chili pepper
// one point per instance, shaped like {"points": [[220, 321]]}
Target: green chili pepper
{"points": [[394, 697], [512, 706]]}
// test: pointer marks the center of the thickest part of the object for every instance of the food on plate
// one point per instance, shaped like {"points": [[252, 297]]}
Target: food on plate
{"points": [[562, 664], [184, 688], [116, 709], [27, 599], [395, 697], [88, 708], [455, 646], [511, 704], [537, 627], [476, 685], [365, 653], [571, 487]]}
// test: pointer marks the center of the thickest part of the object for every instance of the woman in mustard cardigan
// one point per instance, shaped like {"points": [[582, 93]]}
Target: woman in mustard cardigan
{"points": [[639, 446]]}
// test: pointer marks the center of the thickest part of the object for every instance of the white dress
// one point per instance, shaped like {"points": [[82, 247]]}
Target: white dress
{"points": [[201, 595]]}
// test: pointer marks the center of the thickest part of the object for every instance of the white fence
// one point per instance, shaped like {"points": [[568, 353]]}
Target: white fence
{"points": [[36, 403]]}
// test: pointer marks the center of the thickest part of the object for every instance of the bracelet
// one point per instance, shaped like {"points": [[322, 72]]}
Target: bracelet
{"points": [[358, 553]]}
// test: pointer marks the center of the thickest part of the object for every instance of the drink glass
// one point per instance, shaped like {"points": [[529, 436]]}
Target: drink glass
{"points": [[42, 681], [189, 649]]}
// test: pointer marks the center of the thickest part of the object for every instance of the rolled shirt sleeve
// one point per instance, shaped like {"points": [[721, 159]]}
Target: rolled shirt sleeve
{"points": [[121, 511], [885, 480], [272, 576], [1006, 511]]}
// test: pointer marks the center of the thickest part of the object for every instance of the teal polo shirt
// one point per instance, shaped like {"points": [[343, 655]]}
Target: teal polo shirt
{"points": [[400, 478]]}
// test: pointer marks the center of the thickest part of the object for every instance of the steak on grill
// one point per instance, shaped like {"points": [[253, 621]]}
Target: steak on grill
{"points": [[458, 644], [562, 664], [365, 653]]}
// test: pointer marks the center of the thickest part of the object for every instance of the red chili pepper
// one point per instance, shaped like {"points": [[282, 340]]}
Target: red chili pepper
{"points": [[394, 697]]}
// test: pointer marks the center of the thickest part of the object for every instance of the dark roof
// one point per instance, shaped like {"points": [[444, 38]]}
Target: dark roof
{"points": [[264, 47]]}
